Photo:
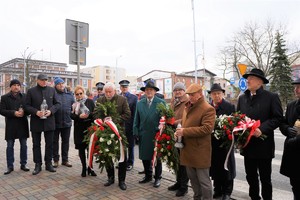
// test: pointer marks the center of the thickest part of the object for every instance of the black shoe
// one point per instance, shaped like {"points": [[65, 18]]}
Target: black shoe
{"points": [[37, 169], [110, 181], [226, 197], [217, 195], [24, 168], [146, 179], [174, 187], [50, 168], [91, 172], [181, 192], [122, 185], [156, 183], [8, 171], [83, 172], [129, 168], [141, 172]]}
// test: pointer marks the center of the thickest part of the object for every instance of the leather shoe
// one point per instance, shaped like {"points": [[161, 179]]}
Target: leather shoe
{"points": [[67, 164], [141, 172], [37, 169], [181, 192], [156, 183], [50, 168], [217, 195], [24, 168], [55, 164], [109, 182], [174, 187], [129, 168], [122, 185], [226, 197], [8, 171], [146, 179]]}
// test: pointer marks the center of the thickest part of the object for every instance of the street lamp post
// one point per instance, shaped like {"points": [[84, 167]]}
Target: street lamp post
{"points": [[195, 50], [24, 70], [117, 69]]}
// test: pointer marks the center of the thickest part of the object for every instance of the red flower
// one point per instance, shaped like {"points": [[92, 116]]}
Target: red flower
{"points": [[168, 137], [95, 128], [101, 128], [169, 147]]}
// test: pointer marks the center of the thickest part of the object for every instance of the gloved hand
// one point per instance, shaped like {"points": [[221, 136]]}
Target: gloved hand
{"points": [[291, 132]]}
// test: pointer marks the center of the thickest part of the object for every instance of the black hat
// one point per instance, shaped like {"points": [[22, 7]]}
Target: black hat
{"points": [[100, 85], [14, 81], [215, 87], [124, 83], [149, 79], [150, 84], [42, 77], [297, 81], [258, 73]]}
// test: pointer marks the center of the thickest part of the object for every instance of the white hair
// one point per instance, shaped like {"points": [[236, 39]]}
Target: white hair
{"points": [[109, 85]]}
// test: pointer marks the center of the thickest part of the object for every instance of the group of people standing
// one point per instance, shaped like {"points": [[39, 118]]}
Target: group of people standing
{"points": [[202, 157]]}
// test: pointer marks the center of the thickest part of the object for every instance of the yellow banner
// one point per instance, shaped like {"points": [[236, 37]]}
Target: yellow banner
{"points": [[242, 68]]}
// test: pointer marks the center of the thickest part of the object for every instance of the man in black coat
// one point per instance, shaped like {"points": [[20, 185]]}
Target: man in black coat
{"points": [[260, 104], [16, 127], [34, 99], [290, 128], [222, 179]]}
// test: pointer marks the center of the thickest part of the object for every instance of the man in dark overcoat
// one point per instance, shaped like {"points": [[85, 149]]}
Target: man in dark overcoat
{"points": [[290, 127], [145, 126], [125, 114], [263, 105], [16, 125], [222, 178], [34, 99]]}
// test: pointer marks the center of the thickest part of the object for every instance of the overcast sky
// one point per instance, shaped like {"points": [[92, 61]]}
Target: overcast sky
{"points": [[147, 34]]}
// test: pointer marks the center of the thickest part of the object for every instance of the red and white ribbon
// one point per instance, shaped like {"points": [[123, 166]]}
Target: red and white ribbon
{"points": [[92, 142], [161, 127]]}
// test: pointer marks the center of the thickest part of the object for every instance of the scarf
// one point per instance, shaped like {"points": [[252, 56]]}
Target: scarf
{"points": [[79, 107]]}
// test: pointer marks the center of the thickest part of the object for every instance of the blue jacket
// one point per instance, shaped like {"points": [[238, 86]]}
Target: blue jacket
{"points": [[63, 114]]}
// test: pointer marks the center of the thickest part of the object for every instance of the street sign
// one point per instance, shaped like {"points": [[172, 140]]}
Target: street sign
{"points": [[242, 68], [243, 84], [74, 27], [232, 80], [73, 56]]}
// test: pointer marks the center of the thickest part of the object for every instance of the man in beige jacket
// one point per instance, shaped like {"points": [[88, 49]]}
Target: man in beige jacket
{"points": [[197, 125]]}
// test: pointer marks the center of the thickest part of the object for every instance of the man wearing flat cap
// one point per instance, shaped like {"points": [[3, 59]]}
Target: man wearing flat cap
{"points": [[131, 100], [39, 124], [263, 105], [99, 87], [222, 179], [145, 126], [16, 124], [290, 127], [198, 121]]}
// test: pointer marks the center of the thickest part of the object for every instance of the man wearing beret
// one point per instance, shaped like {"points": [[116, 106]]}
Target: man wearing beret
{"points": [[16, 127], [63, 123], [263, 105], [198, 122], [132, 100], [39, 124], [222, 179], [290, 128]]}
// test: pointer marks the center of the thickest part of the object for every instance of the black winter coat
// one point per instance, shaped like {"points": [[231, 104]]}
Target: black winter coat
{"points": [[15, 127], [290, 167], [63, 114], [219, 154], [266, 107], [81, 125], [34, 99]]}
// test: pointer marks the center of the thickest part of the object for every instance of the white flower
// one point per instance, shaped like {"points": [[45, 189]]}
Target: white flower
{"points": [[171, 164], [102, 161], [106, 150], [168, 142], [108, 142], [112, 135], [161, 150], [169, 154], [166, 157], [100, 151], [117, 141], [101, 139]]}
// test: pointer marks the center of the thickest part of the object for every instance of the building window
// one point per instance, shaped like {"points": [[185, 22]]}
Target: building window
{"points": [[84, 83]]}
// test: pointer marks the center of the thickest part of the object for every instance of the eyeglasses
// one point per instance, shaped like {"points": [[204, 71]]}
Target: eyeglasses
{"points": [[78, 94]]}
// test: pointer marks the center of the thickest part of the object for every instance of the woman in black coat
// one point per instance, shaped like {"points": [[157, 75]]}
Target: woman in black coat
{"points": [[82, 120], [222, 179]]}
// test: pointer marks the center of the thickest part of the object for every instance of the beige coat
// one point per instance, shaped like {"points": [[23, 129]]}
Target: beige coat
{"points": [[198, 123]]}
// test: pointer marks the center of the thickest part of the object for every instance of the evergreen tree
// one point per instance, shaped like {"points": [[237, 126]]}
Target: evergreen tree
{"points": [[281, 72]]}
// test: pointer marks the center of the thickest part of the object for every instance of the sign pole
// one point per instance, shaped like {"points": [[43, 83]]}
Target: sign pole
{"points": [[78, 53]]}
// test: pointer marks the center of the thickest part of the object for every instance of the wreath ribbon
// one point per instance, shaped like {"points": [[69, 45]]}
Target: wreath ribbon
{"points": [[92, 142], [161, 127]]}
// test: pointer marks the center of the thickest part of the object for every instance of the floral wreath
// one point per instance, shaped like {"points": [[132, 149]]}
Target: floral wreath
{"points": [[165, 141], [105, 137]]}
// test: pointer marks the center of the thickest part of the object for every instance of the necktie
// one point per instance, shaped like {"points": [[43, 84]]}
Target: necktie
{"points": [[149, 103]]}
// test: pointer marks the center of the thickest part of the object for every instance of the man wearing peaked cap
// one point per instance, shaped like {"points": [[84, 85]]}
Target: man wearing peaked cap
{"points": [[131, 100], [263, 105], [99, 86]]}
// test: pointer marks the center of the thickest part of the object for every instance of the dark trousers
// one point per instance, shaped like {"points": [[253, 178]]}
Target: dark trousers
{"points": [[149, 171], [295, 183], [130, 140], [223, 186], [121, 171], [82, 156], [182, 178], [10, 158], [36, 147], [264, 168], [65, 138]]}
